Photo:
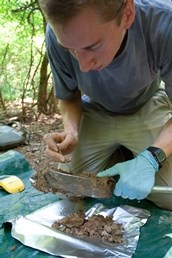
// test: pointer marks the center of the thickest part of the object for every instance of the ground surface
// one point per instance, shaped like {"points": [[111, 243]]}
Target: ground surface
{"points": [[34, 128]]}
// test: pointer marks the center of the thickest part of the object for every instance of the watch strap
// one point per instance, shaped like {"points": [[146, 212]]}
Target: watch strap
{"points": [[155, 151]]}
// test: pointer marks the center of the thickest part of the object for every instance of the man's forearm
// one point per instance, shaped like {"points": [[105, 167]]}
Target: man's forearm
{"points": [[71, 113], [164, 141]]}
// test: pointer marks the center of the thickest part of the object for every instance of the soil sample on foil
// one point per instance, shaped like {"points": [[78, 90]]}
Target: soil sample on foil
{"points": [[97, 227]]}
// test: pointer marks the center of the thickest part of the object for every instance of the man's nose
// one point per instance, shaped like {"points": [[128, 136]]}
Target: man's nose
{"points": [[86, 60]]}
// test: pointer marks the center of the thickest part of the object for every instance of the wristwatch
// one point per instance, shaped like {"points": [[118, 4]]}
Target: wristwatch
{"points": [[158, 154]]}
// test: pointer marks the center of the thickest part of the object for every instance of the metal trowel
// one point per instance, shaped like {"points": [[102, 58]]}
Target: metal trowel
{"points": [[84, 184]]}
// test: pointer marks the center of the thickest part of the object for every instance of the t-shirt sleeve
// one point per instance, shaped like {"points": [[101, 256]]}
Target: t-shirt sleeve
{"points": [[166, 56], [166, 66], [163, 38], [65, 85]]}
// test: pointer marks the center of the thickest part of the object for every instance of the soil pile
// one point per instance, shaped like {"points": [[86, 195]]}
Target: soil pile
{"points": [[97, 227]]}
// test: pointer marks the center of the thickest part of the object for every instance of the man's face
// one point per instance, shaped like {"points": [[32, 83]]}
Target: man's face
{"points": [[93, 42]]}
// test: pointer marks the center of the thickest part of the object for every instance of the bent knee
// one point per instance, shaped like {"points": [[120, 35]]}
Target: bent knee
{"points": [[163, 201]]}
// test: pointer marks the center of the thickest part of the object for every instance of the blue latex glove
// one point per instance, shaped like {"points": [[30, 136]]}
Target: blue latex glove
{"points": [[137, 176]]}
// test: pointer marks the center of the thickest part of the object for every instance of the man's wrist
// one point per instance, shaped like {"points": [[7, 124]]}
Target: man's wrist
{"points": [[158, 154]]}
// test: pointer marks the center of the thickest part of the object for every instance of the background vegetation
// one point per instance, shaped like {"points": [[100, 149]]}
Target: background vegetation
{"points": [[24, 72]]}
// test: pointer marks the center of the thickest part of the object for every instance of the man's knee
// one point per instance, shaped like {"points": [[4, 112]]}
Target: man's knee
{"points": [[163, 201]]}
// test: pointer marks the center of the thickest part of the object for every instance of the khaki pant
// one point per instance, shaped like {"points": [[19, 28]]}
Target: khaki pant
{"points": [[101, 135]]}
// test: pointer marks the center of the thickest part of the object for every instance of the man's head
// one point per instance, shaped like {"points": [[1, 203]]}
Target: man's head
{"points": [[91, 30]]}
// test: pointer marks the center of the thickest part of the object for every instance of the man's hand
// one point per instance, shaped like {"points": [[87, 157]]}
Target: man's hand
{"points": [[60, 144], [137, 176]]}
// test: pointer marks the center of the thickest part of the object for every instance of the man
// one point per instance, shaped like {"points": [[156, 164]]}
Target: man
{"points": [[108, 58]]}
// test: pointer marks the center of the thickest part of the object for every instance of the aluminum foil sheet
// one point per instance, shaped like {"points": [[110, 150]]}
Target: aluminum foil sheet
{"points": [[35, 230]]}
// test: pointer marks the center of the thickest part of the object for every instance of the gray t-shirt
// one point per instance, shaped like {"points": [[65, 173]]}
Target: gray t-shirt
{"points": [[133, 76]]}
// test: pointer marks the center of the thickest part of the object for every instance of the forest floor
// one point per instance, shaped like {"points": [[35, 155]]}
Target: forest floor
{"points": [[34, 127]]}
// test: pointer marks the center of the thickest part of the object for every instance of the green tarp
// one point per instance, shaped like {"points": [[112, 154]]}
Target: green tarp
{"points": [[153, 242]]}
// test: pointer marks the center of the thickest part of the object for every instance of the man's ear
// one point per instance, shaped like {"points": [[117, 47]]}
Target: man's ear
{"points": [[129, 14]]}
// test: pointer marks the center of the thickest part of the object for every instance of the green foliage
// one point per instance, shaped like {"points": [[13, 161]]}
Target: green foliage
{"points": [[21, 48]]}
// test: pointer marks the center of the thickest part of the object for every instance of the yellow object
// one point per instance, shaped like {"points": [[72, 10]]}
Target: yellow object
{"points": [[12, 184]]}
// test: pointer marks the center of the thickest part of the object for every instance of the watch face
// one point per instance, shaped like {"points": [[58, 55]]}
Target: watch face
{"points": [[160, 155]]}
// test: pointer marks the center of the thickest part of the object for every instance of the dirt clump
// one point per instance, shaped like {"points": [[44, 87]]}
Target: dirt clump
{"points": [[96, 227]]}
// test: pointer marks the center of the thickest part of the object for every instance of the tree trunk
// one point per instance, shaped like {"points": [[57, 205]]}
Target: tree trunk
{"points": [[43, 86], [2, 103]]}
